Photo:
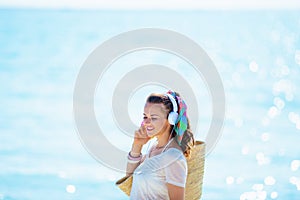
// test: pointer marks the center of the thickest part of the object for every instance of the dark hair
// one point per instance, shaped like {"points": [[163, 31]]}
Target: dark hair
{"points": [[188, 138]]}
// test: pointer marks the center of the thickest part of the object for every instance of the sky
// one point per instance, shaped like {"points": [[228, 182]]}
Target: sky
{"points": [[155, 4]]}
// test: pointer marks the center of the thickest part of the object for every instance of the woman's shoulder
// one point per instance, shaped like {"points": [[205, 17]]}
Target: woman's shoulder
{"points": [[175, 159], [175, 149], [174, 153]]}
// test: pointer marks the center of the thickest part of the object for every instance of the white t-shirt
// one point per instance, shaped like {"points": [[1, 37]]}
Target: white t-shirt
{"points": [[152, 175]]}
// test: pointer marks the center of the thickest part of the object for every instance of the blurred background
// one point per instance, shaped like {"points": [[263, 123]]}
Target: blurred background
{"points": [[254, 45]]}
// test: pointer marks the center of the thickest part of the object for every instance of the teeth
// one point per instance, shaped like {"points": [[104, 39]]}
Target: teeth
{"points": [[149, 129]]}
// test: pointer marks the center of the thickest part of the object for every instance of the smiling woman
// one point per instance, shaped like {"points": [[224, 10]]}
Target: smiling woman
{"points": [[162, 172]]}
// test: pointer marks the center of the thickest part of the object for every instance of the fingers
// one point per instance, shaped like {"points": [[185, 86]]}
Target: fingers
{"points": [[141, 133], [143, 129], [141, 137]]}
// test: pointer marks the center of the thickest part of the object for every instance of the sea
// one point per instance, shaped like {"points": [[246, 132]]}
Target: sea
{"points": [[256, 54]]}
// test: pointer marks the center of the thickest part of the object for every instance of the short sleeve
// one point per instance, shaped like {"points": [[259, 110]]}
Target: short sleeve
{"points": [[176, 172]]}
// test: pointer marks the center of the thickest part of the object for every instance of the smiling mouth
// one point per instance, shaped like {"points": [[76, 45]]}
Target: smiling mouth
{"points": [[149, 129]]}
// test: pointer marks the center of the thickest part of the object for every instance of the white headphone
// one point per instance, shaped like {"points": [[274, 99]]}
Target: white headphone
{"points": [[172, 117]]}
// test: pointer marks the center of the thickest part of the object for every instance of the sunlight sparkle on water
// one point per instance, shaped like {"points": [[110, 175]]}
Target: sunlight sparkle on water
{"points": [[62, 174], [295, 181], [262, 159], [281, 152], [270, 180], [265, 137], [274, 195], [284, 86], [70, 188], [294, 118], [253, 66], [258, 195], [281, 71], [279, 103], [273, 112], [258, 187], [229, 180], [295, 164], [245, 150], [248, 196], [298, 125]]}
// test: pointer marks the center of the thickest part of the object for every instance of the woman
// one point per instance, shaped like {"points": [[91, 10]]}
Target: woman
{"points": [[162, 172]]}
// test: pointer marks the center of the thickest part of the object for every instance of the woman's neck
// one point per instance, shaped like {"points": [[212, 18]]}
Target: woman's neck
{"points": [[163, 139]]}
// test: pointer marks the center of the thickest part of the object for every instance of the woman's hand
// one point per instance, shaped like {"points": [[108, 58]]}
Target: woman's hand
{"points": [[140, 138]]}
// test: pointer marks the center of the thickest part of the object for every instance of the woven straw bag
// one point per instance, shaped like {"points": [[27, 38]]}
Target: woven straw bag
{"points": [[194, 181], [193, 187], [125, 184]]}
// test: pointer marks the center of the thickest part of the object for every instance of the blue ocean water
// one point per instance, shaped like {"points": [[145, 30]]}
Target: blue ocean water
{"points": [[257, 54]]}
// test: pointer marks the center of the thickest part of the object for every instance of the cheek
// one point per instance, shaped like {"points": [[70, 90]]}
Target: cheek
{"points": [[160, 123]]}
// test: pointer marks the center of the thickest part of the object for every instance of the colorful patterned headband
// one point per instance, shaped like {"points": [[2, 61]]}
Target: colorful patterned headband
{"points": [[181, 123]]}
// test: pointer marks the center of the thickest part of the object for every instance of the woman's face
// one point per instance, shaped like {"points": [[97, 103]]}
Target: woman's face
{"points": [[155, 119]]}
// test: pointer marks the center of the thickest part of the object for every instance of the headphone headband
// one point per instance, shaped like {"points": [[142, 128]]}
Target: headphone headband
{"points": [[172, 99], [173, 115]]}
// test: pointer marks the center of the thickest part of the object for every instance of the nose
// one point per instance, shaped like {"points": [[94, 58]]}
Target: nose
{"points": [[147, 121]]}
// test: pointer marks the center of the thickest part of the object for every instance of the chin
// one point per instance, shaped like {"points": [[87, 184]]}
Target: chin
{"points": [[151, 134]]}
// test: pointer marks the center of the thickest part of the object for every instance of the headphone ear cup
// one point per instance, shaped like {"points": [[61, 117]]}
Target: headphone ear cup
{"points": [[172, 118]]}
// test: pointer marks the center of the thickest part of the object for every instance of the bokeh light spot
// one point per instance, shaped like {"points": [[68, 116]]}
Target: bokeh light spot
{"points": [[248, 196], [279, 103], [229, 180], [258, 187], [71, 189], [284, 86], [253, 66], [245, 150], [298, 125], [274, 195], [281, 152], [294, 117], [273, 112], [262, 159], [295, 164], [270, 180], [265, 137]]}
